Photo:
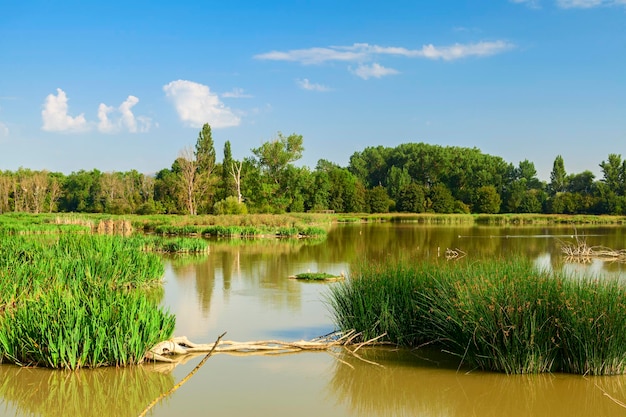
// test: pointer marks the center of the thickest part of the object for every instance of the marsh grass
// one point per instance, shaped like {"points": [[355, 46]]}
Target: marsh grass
{"points": [[501, 316], [63, 329], [72, 301], [178, 245]]}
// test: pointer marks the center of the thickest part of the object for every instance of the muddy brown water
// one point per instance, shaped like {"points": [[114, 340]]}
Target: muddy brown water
{"points": [[242, 288]]}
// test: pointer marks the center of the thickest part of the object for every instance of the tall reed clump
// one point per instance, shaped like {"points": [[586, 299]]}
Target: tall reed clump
{"points": [[497, 316], [380, 298], [75, 301], [66, 329], [502, 316], [173, 245], [592, 327]]}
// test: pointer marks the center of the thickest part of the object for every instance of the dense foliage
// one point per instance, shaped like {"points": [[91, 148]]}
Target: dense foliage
{"points": [[412, 177]]}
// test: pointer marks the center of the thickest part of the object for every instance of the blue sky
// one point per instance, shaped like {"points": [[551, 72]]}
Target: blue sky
{"points": [[127, 85]]}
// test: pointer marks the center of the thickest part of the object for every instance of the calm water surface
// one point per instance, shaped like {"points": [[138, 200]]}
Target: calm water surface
{"points": [[243, 289]]}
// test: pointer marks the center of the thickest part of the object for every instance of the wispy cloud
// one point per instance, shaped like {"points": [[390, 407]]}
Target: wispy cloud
{"points": [[373, 71], [363, 52], [126, 119], [56, 118], [573, 4], [4, 130], [588, 4], [236, 93], [197, 105], [314, 55], [533, 4], [305, 84]]}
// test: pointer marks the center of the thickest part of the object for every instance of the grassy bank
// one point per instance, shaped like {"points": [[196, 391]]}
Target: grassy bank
{"points": [[70, 301], [497, 315]]}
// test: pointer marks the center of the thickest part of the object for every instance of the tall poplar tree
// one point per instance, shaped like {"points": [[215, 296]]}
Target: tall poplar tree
{"points": [[205, 158], [227, 180], [558, 176]]}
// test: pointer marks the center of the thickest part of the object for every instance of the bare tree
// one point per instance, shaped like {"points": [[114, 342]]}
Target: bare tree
{"points": [[235, 170], [188, 177], [54, 192], [5, 190]]}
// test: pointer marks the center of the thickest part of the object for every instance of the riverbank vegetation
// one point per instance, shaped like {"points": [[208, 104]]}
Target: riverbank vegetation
{"points": [[502, 316], [79, 300], [408, 178]]}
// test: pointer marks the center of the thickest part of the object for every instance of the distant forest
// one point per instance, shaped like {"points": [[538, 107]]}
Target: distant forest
{"points": [[412, 177]]}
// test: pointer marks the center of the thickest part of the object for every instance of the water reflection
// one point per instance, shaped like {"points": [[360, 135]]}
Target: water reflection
{"points": [[89, 392], [409, 385], [241, 287]]}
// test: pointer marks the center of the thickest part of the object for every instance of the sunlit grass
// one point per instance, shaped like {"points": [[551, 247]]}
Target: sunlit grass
{"points": [[502, 316]]}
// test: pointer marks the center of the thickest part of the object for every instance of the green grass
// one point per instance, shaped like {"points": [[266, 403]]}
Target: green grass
{"points": [[179, 245], [63, 329], [72, 301], [314, 276], [501, 316]]}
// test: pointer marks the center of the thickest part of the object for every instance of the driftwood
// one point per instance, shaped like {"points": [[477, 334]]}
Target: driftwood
{"points": [[579, 251], [185, 379], [177, 348], [455, 253]]}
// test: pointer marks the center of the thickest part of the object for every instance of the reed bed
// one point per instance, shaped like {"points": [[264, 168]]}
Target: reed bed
{"points": [[503, 316], [239, 231], [68, 329], [72, 301], [173, 245]]}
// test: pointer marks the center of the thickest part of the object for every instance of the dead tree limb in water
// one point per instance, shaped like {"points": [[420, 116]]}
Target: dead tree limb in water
{"points": [[179, 347]]}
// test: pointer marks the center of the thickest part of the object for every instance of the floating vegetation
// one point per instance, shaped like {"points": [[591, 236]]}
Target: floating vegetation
{"points": [[317, 276], [494, 315]]}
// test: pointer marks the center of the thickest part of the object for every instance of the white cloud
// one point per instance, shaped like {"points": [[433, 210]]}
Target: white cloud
{"points": [[305, 84], [362, 52], [533, 4], [126, 119], [313, 55], [588, 4], [458, 51], [375, 70], [55, 117], [105, 124], [197, 105], [4, 130], [236, 93]]}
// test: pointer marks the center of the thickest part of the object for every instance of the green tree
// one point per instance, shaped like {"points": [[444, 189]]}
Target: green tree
{"points": [[167, 192], [412, 198], [614, 171], [378, 200], [205, 165], [558, 177], [487, 200], [441, 199], [227, 180], [273, 160]]}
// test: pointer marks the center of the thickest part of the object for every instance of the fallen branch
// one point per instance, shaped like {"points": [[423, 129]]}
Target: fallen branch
{"points": [[181, 346], [185, 379]]}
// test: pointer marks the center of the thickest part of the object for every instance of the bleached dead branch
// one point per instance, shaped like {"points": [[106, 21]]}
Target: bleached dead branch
{"points": [[172, 350]]}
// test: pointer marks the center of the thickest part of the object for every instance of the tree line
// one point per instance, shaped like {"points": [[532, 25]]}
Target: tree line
{"points": [[412, 177]]}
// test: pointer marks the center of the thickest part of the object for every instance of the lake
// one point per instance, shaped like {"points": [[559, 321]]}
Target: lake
{"points": [[242, 288]]}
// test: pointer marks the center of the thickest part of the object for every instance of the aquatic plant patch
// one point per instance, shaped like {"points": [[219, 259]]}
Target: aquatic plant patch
{"points": [[502, 316], [67, 329]]}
